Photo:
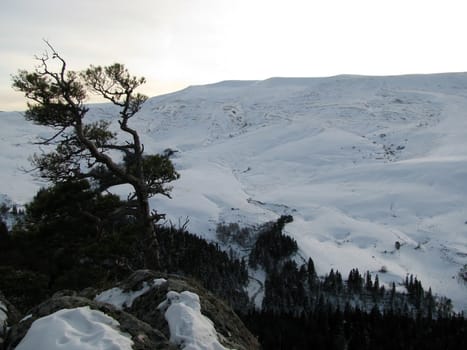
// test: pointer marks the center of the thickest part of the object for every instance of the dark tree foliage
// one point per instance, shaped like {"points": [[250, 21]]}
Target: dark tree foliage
{"points": [[333, 282], [284, 288], [73, 237], [55, 209], [23, 288], [221, 273], [4, 237], [326, 327], [355, 281], [85, 149], [294, 289], [272, 246], [71, 234], [286, 282]]}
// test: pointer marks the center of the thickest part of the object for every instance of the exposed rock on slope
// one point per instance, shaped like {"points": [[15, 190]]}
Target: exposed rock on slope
{"points": [[143, 336], [8, 316], [230, 329], [134, 304]]}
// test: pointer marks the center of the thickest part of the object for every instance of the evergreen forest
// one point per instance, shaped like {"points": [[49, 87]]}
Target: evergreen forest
{"points": [[54, 245]]}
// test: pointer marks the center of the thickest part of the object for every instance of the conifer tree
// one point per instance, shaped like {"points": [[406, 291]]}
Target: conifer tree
{"points": [[86, 149]]}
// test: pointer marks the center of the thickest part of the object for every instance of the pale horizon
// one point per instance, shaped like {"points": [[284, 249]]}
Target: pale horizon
{"points": [[181, 43]]}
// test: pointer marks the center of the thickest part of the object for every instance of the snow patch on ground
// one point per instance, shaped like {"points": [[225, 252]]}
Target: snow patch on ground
{"points": [[75, 329], [255, 287], [189, 329], [25, 318], [121, 299]]}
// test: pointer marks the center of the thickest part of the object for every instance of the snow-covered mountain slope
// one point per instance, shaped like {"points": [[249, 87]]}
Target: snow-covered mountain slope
{"points": [[360, 163]]}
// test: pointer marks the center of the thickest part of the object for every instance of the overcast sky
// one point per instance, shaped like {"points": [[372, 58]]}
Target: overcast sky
{"points": [[176, 43]]}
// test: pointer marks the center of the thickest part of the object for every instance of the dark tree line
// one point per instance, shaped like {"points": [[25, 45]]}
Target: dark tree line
{"points": [[294, 289], [57, 246], [328, 328], [272, 246], [67, 250], [302, 311], [223, 274]]}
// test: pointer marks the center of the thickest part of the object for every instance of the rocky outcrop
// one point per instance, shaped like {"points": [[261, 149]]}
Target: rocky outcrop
{"points": [[230, 329], [143, 335], [134, 303], [8, 316]]}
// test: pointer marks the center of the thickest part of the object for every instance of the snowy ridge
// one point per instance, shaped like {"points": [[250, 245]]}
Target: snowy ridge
{"points": [[360, 162]]}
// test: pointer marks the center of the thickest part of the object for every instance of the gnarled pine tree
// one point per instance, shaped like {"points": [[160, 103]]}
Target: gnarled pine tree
{"points": [[87, 149]]}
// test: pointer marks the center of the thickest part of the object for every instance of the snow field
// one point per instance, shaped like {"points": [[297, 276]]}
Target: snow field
{"points": [[360, 163]]}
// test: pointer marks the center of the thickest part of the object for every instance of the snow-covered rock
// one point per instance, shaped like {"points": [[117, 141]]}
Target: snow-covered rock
{"points": [[205, 319], [9, 315], [80, 328], [124, 299], [128, 316], [3, 316], [3, 321], [72, 322], [189, 328]]}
